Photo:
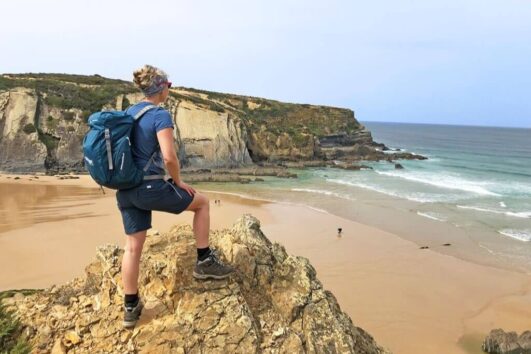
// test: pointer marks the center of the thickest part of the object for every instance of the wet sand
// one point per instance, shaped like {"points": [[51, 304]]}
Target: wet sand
{"points": [[410, 300]]}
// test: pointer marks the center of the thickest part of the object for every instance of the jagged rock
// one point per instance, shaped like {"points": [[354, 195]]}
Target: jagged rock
{"points": [[273, 304], [153, 232], [58, 347], [500, 342], [350, 166], [398, 166], [71, 338]]}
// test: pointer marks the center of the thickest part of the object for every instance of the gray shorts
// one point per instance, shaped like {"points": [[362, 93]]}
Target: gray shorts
{"points": [[136, 204]]}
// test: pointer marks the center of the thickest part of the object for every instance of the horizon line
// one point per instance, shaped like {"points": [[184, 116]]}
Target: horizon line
{"points": [[449, 124]]}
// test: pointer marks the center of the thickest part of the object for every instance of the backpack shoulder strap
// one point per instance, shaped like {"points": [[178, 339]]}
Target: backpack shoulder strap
{"points": [[136, 118], [142, 111]]}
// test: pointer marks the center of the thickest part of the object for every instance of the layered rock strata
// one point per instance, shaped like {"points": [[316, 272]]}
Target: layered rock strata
{"points": [[43, 122]]}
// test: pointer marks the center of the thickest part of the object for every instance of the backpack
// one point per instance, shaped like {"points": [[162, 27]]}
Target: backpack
{"points": [[107, 150]]}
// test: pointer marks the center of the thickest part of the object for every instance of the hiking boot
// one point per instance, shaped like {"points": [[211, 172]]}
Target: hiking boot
{"points": [[132, 314], [211, 267]]}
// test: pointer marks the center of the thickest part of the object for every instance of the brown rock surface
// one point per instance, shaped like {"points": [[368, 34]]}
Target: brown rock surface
{"points": [[500, 342], [274, 304]]}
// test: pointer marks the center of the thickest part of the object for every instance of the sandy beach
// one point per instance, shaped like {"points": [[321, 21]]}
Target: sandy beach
{"points": [[410, 300]]}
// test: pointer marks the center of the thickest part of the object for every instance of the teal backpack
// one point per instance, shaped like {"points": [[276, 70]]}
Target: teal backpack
{"points": [[107, 150]]}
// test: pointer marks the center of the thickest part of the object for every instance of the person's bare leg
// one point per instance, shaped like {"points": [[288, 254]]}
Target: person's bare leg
{"points": [[200, 205], [131, 261]]}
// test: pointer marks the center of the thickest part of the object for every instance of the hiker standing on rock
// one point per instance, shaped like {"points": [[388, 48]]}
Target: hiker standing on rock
{"points": [[153, 151]]}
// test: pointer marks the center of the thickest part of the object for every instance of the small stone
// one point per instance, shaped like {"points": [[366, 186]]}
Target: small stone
{"points": [[153, 232], [278, 333], [45, 330], [71, 338], [58, 347], [124, 337], [17, 177]]}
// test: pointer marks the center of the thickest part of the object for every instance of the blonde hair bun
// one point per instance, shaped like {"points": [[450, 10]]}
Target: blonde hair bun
{"points": [[145, 77]]}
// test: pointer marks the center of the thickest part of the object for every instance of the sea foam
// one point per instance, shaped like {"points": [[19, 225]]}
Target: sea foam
{"points": [[321, 191], [433, 216], [523, 214], [417, 197], [520, 235], [441, 181]]}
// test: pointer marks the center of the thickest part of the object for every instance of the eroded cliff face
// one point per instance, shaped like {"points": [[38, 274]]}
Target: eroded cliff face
{"points": [[209, 138], [43, 122], [19, 141], [35, 136], [273, 304]]}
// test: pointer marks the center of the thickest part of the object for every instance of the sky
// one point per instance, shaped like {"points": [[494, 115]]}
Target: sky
{"points": [[438, 62]]}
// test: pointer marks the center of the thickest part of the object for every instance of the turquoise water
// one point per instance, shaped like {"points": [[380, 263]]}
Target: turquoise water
{"points": [[480, 174], [476, 183]]}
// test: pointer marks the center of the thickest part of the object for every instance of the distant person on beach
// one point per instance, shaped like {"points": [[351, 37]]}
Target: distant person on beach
{"points": [[153, 150]]}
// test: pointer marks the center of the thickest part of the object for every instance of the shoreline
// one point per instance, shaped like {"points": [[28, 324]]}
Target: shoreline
{"points": [[374, 274], [404, 219]]}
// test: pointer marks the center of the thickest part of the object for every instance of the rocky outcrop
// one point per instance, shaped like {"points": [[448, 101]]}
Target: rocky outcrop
{"points": [[274, 304], [500, 342], [240, 174]]}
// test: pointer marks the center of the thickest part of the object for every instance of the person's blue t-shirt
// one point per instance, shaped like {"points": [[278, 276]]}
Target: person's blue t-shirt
{"points": [[144, 137]]}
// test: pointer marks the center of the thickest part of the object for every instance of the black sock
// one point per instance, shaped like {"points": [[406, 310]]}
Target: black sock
{"points": [[203, 253], [131, 300]]}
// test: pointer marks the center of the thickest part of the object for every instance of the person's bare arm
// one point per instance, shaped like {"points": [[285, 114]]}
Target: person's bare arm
{"points": [[167, 147]]}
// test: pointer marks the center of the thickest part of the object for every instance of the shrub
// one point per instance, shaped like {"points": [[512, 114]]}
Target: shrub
{"points": [[85, 115], [125, 103], [10, 329], [29, 128], [69, 115], [48, 140]]}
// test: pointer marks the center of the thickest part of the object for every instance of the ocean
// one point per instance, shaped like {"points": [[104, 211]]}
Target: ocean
{"points": [[477, 180]]}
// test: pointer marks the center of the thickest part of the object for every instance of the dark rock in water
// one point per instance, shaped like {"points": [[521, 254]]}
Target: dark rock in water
{"points": [[399, 166], [500, 342]]}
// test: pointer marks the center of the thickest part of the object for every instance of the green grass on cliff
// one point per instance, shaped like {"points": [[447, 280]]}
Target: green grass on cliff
{"points": [[295, 119], [91, 93], [10, 329], [68, 91], [201, 102]]}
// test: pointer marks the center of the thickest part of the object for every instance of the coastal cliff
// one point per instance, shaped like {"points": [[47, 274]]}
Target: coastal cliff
{"points": [[43, 121], [273, 304]]}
